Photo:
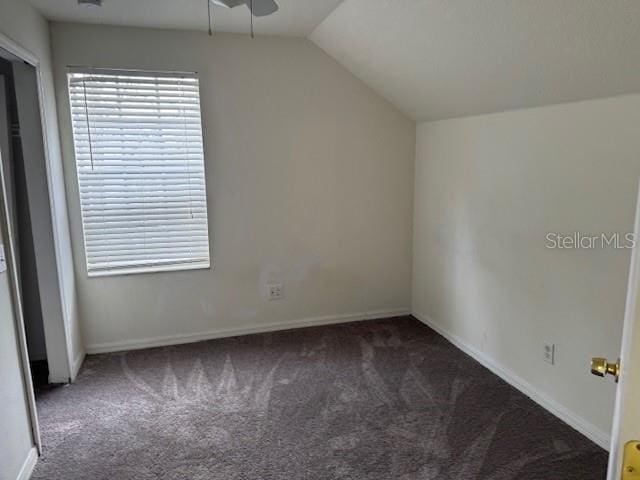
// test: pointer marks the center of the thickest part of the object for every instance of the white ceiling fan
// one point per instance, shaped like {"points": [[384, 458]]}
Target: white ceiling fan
{"points": [[258, 8]]}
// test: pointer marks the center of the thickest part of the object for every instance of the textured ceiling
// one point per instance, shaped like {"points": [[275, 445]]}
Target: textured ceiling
{"points": [[434, 59], [295, 17], [439, 59]]}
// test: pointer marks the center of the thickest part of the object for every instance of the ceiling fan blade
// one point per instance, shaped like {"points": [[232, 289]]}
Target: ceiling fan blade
{"points": [[229, 3], [260, 8]]}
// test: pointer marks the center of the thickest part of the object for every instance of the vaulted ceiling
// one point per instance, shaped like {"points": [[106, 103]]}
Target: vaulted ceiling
{"points": [[435, 59], [438, 59]]}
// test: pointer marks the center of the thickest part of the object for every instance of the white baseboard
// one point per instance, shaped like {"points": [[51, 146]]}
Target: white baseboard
{"points": [[575, 421], [270, 327], [28, 465], [75, 368], [77, 363], [55, 379]]}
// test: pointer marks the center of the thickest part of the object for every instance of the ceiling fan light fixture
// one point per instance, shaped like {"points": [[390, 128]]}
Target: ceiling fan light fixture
{"points": [[257, 8], [262, 8]]}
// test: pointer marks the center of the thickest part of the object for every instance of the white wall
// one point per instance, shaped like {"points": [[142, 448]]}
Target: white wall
{"points": [[28, 29], [309, 183], [487, 191]]}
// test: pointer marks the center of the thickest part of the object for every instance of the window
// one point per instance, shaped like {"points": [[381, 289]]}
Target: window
{"points": [[140, 165]]}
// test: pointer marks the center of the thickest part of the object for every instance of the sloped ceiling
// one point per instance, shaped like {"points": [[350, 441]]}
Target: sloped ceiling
{"points": [[295, 17], [437, 59]]}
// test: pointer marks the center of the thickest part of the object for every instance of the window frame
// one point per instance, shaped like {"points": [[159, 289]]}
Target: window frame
{"points": [[137, 269]]}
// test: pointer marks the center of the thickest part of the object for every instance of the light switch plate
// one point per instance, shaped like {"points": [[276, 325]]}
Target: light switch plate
{"points": [[3, 260]]}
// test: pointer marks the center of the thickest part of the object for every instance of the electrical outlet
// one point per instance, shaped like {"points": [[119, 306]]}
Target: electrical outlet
{"points": [[549, 352], [275, 291]]}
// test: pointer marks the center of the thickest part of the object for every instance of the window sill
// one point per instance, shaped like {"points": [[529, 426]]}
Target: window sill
{"points": [[150, 269]]}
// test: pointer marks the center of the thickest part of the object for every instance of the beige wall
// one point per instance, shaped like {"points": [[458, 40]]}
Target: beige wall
{"points": [[28, 29], [309, 184], [487, 191]]}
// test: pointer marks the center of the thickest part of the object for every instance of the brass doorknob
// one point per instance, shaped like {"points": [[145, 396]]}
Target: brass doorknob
{"points": [[601, 367]]}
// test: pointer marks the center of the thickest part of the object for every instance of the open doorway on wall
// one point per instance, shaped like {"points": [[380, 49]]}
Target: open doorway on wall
{"points": [[19, 124]]}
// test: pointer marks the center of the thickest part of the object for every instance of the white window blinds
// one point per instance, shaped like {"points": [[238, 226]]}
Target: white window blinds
{"points": [[140, 165]]}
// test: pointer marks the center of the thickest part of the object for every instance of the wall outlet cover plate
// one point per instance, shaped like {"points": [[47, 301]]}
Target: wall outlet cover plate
{"points": [[275, 291], [549, 352]]}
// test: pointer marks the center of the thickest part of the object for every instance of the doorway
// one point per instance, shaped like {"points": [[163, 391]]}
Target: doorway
{"points": [[16, 127], [29, 251]]}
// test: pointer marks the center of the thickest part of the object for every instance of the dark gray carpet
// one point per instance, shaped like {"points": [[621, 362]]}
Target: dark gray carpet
{"points": [[385, 399]]}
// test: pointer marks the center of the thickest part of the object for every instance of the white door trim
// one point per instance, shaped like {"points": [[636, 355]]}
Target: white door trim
{"points": [[15, 49], [29, 57]]}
